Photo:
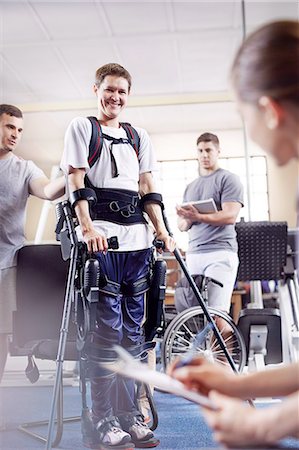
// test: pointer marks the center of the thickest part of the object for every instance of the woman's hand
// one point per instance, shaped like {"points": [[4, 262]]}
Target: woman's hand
{"points": [[236, 424], [203, 376]]}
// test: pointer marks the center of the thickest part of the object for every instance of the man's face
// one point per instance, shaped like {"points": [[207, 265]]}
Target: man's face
{"points": [[10, 132], [112, 96], [207, 154]]}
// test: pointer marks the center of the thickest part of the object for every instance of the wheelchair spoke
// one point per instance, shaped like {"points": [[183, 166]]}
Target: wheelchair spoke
{"points": [[183, 339], [183, 328], [189, 331]]}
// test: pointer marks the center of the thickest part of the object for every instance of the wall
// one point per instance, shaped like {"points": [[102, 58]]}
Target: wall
{"points": [[283, 185]]}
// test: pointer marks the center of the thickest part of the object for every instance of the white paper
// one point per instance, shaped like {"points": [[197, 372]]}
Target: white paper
{"points": [[131, 368]]}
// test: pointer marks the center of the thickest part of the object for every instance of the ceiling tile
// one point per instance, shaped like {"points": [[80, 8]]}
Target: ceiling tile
{"points": [[19, 24], [42, 72], [152, 64], [136, 17], [12, 88], [85, 57], [205, 61], [203, 15], [65, 20], [265, 11]]}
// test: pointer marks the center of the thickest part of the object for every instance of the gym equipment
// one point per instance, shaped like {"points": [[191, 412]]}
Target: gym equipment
{"points": [[288, 290], [263, 256]]}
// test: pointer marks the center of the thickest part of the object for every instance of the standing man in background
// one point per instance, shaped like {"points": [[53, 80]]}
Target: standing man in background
{"points": [[18, 179], [213, 246]]}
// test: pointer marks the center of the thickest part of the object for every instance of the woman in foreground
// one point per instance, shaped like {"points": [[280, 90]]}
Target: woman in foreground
{"points": [[265, 80]]}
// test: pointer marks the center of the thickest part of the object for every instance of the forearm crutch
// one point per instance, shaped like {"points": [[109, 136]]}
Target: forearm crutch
{"points": [[65, 318]]}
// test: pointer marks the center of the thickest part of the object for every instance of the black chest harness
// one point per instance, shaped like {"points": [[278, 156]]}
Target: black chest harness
{"points": [[119, 206]]}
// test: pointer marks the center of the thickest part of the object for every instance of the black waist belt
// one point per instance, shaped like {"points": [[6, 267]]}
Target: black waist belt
{"points": [[118, 206]]}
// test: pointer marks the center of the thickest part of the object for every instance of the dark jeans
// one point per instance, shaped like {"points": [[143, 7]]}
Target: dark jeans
{"points": [[118, 322]]}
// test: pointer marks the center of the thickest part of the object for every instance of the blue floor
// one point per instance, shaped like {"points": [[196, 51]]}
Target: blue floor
{"points": [[180, 423]]}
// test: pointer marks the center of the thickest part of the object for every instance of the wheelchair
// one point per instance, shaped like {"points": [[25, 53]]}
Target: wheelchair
{"points": [[182, 330], [81, 298]]}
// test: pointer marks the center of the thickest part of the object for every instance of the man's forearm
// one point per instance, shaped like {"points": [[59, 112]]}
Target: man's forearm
{"points": [[154, 212], [219, 218], [147, 185], [82, 206], [55, 188]]}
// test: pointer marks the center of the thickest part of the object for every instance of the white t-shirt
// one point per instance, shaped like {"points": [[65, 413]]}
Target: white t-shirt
{"points": [[75, 154], [15, 176]]}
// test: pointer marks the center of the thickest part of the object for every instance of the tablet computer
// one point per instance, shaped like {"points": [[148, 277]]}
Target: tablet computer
{"points": [[203, 206]]}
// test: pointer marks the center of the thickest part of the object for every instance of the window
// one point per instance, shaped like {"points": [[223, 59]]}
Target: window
{"points": [[175, 175]]}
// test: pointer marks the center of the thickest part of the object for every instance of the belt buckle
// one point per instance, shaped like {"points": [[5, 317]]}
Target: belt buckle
{"points": [[129, 211], [114, 206], [135, 200]]}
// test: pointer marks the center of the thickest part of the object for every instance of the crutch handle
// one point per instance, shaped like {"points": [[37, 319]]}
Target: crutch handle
{"points": [[159, 244], [113, 243]]}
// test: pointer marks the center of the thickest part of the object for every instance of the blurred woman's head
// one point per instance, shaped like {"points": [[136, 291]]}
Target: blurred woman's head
{"points": [[265, 78]]}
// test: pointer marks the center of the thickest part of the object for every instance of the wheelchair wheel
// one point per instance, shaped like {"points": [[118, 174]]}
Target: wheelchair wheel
{"points": [[182, 330]]}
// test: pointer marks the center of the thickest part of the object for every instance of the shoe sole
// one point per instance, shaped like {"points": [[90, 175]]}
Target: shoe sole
{"points": [[151, 443], [94, 446]]}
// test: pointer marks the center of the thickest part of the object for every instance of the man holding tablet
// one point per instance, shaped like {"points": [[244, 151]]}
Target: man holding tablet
{"points": [[213, 246]]}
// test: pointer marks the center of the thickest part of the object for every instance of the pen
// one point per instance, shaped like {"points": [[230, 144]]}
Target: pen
{"points": [[199, 338]]}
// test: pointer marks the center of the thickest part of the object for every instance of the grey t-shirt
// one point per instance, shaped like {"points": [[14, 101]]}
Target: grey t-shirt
{"points": [[15, 176], [223, 186]]}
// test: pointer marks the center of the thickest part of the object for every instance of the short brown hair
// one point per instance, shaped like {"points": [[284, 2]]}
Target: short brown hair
{"points": [[11, 111], [114, 70], [208, 137], [267, 63]]}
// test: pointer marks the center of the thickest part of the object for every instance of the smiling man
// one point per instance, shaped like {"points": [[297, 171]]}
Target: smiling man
{"points": [[116, 161], [212, 237]]}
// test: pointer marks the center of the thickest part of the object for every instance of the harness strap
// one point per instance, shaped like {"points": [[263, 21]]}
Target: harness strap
{"points": [[97, 139], [119, 206], [113, 288]]}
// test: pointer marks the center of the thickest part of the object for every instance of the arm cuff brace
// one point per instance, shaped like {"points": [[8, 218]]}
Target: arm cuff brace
{"points": [[83, 194], [151, 197]]}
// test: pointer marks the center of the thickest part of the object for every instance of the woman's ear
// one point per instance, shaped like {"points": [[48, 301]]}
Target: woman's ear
{"points": [[95, 89], [273, 112]]}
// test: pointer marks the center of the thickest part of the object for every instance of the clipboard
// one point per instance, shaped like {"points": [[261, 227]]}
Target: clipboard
{"points": [[129, 367]]}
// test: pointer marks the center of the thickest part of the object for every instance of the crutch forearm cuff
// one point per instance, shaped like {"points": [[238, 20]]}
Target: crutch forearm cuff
{"points": [[151, 197], [83, 194]]}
